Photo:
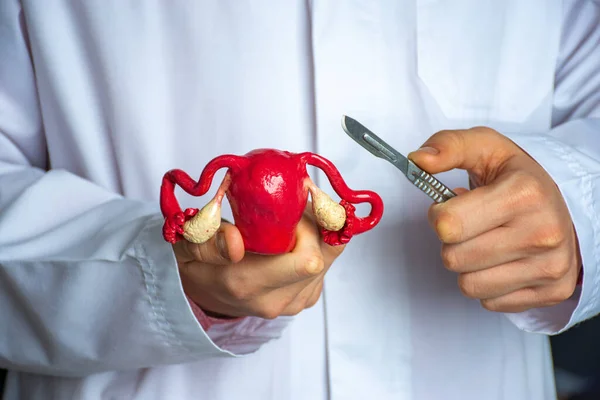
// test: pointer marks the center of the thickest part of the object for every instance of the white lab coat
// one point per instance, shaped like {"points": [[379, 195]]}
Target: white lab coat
{"points": [[108, 95]]}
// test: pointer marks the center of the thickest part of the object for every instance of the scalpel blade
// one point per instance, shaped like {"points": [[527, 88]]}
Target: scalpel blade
{"points": [[428, 184], [373, 143]]}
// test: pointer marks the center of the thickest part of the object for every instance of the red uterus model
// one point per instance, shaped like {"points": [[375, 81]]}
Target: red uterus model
{"points": [[267, 190]]}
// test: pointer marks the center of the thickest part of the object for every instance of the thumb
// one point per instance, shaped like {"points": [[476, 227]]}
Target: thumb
{"points": [[225, 247], [477, 150]]}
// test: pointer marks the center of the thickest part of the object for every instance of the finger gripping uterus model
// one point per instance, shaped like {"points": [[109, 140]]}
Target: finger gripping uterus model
{"points": [[268, 191]]}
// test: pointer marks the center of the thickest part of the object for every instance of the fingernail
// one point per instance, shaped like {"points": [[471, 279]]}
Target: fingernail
{"points": [[429, 150], [222, 246]]}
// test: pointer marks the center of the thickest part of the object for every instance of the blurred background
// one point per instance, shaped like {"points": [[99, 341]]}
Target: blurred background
{"points": [[576, 356]]}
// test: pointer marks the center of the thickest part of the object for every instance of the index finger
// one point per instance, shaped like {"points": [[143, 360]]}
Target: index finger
{"points": [[471, 214], [307, 260]]}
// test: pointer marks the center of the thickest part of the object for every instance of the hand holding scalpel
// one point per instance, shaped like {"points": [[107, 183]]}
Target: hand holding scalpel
{"points": [[435, 189]]}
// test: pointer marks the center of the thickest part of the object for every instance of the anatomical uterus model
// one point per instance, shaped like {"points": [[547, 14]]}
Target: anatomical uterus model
{"points": [[267, 190]]}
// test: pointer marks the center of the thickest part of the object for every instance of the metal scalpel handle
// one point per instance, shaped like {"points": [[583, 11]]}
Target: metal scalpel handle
{"points": [[433, 188]]}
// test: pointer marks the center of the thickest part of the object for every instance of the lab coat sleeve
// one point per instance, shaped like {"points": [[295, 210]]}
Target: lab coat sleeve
{"points": [[570, 153], [87, 284]]}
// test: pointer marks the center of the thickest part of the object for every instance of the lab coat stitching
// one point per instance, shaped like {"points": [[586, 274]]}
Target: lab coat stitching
{"points": [[588, 197], [164, 327], [587, 186], [150, 292]]}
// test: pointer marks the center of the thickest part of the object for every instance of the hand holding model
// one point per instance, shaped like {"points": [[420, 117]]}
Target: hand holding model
{"points": [[272, 261]]}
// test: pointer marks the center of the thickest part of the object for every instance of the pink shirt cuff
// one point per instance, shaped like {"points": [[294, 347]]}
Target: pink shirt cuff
{"points": [[206, 321]]}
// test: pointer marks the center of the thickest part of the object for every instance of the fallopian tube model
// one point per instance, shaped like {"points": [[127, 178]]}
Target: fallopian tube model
{"points": [[268, 193]]}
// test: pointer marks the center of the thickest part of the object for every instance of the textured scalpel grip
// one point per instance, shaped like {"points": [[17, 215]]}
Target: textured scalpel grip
{"points": [[432, 187]]}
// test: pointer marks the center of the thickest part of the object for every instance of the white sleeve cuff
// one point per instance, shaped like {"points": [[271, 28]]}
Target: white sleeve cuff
{"points": [[172, 317], [577, 176]]}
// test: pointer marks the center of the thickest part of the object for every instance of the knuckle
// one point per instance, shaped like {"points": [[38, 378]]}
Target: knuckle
{"points": [[491, 305], [303, 299], [468, 286], [554, 271], [448, 227], [202, 252], [240, 292], [561, 293], [313, 264], [297, 305], [484, 130], [192, 250], [550, 237], [237, 286], [295, 308], [314, 298], [450, 258], [270, 311], [526, 189], [455, 138]]}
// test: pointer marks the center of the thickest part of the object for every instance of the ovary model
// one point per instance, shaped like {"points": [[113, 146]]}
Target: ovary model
{"points": [[267, 190]]}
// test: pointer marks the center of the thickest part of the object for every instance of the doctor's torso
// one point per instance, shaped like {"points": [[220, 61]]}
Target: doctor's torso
{"points": [[131, 89]]}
